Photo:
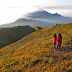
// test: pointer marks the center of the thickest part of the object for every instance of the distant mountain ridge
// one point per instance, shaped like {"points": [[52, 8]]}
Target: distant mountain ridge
{"points": [[29, 22], [48, 17], [40, 14], [39, 18]]}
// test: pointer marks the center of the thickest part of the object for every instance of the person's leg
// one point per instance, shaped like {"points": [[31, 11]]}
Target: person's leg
{"points": [[54, 45], [57, 47], [60, 47]]}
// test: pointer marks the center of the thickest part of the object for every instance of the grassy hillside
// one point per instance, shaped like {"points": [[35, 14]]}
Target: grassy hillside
{"points": [[35, 53], [37, 28], [10, 35]]}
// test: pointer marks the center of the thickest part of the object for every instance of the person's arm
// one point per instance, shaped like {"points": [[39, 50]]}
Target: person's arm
{"points": [[53, 40], [61, 39], [57, 38]]}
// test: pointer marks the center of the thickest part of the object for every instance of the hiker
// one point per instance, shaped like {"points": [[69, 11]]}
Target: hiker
{"points": [[59, 41], [54, 41]]}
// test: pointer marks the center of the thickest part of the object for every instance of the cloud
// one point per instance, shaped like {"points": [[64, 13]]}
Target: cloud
{"points": [[63, 10], [59, 7]]}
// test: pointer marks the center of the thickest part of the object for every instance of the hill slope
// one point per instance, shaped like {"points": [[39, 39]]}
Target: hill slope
{"points": [[37, 28], [35, 53], [10, 35]]}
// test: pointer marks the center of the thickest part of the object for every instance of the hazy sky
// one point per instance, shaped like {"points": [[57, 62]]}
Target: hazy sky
{"points": [[10, 10]]}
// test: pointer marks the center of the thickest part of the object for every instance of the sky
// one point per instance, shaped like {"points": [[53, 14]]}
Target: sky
{"points": [[11, 10]]}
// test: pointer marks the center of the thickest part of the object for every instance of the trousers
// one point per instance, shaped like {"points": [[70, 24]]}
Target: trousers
{"points": [[58, 47]]}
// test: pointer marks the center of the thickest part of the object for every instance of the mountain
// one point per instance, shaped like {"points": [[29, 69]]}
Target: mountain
{"points": [[29, 22], [10, 35], [48, 17], [35, 52], [38, 14], [39, 18]]}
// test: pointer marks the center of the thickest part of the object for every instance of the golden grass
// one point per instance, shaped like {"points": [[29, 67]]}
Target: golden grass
{"points": [[37, 28], [35, 53]]}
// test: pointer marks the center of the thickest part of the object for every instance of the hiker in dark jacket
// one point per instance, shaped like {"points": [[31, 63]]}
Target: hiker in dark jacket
{"points": [[59, 41], [54, 41]]}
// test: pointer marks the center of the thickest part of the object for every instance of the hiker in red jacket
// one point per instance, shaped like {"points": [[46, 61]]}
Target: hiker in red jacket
{"points": [[54, 41], [59, 41]]}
